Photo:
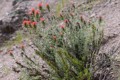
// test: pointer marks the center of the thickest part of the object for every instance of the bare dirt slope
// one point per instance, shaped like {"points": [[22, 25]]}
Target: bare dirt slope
{"points": [[110, 11], [5, 7]]}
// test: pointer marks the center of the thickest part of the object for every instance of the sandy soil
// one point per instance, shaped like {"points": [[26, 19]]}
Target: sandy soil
{"points": [[110, 11], [5, 7]]}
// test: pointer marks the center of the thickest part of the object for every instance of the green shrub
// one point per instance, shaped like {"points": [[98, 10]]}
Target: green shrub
{"points": [[68, 43]]}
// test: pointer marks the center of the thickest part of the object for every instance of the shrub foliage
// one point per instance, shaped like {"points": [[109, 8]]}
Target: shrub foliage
{"points": [[68, 43]]}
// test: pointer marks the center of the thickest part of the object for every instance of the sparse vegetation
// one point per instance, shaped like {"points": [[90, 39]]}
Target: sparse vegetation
{"points": [[16, 40], [68, 43]]}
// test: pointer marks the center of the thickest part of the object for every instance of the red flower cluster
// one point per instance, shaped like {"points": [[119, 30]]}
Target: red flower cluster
{"points": [[36, 12], [33, 10], [26, 23], [40, 6], [34, 24], [48, 7], [62, 26], [36, 15], [66, 21], [42, 19]]}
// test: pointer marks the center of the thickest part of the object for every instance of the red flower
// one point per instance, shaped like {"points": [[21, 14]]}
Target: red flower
{"points": [[34, 24], [66, 21], [32, 10], [24, 22], [36, 12], [62, 26], [28, 22], [47, 6], [40, 6], [42, 19]]}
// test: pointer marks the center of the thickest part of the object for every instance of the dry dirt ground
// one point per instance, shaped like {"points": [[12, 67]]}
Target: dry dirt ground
{"points": [[8, 63], [109, 10]]}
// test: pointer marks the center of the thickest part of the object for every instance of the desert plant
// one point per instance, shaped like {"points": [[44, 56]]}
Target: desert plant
{"points": [[68, 43]]}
